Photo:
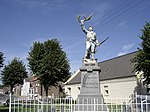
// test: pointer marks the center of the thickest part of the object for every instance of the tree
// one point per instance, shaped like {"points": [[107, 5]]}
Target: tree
{"points": [[49, 63], [142, 59], [35, 56], [1, 59], [14, 73]]}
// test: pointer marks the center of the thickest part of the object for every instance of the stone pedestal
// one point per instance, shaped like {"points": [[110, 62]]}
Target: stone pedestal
{"points": [[90, 84], [90, 97]]}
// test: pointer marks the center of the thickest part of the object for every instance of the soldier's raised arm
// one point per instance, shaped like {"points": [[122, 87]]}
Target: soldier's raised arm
{"points": [[83, 27]]}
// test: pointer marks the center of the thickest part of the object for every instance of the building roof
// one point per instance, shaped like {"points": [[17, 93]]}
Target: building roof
{"points": [[119, 67]]}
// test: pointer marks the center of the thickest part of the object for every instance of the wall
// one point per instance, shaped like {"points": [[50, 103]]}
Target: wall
{"points": [[72, 90], [117, 88], [25, 89]]}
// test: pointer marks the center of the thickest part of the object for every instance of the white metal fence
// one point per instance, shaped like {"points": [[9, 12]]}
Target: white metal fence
{"points": [[136, 103]]}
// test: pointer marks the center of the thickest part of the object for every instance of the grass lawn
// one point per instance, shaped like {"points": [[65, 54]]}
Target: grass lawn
{"points": [[4, 108], [25, 109], [20, 109]]}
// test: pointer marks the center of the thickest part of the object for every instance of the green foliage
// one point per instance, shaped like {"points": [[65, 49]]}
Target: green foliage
{"points": [[142, 59], [35, 55], [1, 59], [49, 63], [14, 73]]}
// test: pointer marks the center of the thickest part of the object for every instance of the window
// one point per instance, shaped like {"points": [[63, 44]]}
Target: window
{"points": [[69, 90], [78, 88], [36, 89], [148, 89], [106, 90], [31, 91]]}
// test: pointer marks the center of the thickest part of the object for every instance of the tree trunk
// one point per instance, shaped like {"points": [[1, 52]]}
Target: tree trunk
{"points": [[11, 88], [41, 89], [46, 90]]}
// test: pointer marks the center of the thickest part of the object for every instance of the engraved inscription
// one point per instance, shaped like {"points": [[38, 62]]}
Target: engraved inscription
{"points": [[90, 80]]}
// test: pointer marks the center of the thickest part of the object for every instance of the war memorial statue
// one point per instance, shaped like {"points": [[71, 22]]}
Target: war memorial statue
{"points": [[91, 40], [90, 92]]}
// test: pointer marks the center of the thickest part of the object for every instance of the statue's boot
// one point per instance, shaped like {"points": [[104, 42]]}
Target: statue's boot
{"points": [[86, 54], [92, 54]]}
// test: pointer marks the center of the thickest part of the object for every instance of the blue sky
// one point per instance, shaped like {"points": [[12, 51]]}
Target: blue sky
{"points": [[24, 21]]}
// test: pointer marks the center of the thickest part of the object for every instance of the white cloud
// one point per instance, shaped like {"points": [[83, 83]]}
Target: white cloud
{"points": [[9, 56], [30, 3], [44, 4], [121, 53], [30, 43], [75, 64], [125, 49], [99, 13], [123, 24]]}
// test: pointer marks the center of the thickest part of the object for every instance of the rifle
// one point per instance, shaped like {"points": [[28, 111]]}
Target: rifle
{"points": [[102, 41]]}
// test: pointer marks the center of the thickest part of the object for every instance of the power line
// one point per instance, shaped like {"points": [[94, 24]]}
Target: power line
{"points": [[78, 38], [118, 15], [136, 8], [105, 18], [131, 13], [113, 12], [109, 22]]}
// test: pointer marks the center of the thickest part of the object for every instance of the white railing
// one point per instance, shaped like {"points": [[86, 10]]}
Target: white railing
{"points": [[136, 103]]}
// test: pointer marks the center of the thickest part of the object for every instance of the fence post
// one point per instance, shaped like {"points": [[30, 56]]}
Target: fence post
{"points": [[124, 106], [141, 104], [42, 104], [10, 102], [136, 102], [146, 104], [94, 104], [62, 107], [71, 104]]}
